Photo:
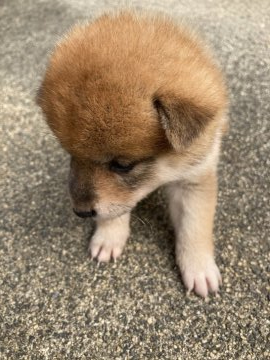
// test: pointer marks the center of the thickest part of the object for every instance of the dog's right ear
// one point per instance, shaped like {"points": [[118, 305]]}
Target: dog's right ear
{"points": [[182, 120]]}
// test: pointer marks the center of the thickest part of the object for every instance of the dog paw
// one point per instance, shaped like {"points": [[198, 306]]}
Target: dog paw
{"points": [[108, 243], [200, 275]]}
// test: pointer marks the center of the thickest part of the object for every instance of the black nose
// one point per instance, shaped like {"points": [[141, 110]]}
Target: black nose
{"points": [[85, 214]]}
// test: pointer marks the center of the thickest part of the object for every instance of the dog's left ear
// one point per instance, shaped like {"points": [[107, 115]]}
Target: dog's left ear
{"points": [[182, 120]]}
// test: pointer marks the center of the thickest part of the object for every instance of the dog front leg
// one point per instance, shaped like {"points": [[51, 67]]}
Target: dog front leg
{"points": [[109, 238], [192, 208]]}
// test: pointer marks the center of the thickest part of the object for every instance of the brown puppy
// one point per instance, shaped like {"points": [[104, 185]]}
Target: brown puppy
{"points": [[138, 103]]}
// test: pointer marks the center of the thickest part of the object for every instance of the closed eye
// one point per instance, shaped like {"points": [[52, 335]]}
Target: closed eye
{"points": [[119, 168]]}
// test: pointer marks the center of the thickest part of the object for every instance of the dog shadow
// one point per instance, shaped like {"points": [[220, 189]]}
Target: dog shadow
{"points": [[151, 217]]}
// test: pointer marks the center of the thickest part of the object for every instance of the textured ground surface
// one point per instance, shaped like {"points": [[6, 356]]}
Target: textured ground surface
{"points": [[54, 303]]}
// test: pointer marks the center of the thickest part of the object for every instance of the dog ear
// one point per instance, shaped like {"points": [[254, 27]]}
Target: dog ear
{"points": [[182, 120]]}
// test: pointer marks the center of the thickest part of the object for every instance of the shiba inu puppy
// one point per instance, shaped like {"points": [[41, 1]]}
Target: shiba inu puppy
{"points": [[138, 102]]}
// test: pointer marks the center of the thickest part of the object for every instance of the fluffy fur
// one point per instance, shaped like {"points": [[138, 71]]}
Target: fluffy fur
{"points": [[138, 102]]}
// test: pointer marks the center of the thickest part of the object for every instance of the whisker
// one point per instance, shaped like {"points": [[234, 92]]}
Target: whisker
{"points": [[145, 222], [117, 210]]}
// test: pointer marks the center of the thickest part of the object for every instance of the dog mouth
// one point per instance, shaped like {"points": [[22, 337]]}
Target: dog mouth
{"points": [[111, 215], [95, 215], [85, 214]]}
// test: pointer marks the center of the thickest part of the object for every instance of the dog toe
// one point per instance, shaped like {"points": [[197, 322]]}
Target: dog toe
{"points": [[202, 278]]}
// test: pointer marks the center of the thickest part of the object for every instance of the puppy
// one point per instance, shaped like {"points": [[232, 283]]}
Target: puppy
{"points": [[138, 102]]}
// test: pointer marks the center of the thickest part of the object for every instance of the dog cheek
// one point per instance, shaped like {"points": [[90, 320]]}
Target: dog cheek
{"points": [[109, 190], [127, 190]]}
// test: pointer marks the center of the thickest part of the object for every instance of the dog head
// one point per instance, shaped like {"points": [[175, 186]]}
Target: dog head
{"points": [[120, 99]]}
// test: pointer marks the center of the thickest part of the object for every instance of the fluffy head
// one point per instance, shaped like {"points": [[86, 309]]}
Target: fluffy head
{"points": [[123, 92]]}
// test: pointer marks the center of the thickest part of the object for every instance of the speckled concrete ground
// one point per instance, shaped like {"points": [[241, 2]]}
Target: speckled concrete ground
{"points": [[54, 303]]}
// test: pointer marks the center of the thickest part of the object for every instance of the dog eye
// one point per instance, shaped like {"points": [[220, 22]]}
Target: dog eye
{"points": [[116, 167]]}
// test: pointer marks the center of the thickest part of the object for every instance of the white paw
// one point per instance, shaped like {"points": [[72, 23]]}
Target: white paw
{"points": [[108, 242], [200, 274]]}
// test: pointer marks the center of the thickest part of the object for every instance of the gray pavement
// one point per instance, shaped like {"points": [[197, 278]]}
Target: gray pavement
{"points": [[54, 302]]}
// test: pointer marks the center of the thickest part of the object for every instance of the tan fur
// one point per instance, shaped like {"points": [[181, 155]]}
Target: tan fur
{"points": [[100, 81], [140, 89]]}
